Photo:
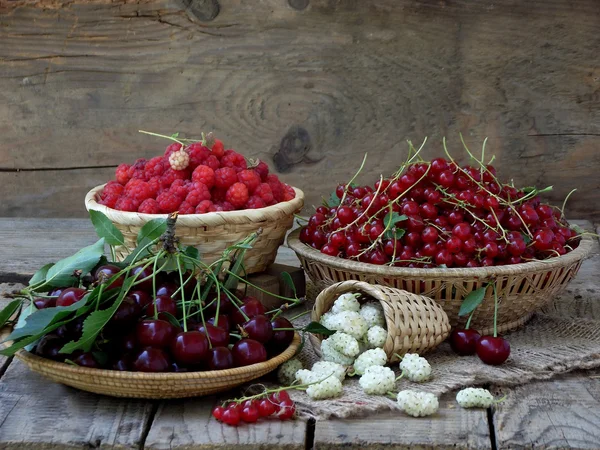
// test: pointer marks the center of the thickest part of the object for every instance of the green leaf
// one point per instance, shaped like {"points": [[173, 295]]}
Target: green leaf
{"points": [[334, 200], [287, 279], [29, 341], [170, 318], [577, 229], [61, 273], [395, 233], [317, 328], [393, 218], [9, 310], [175, 135], [100, 357], [526, 238], [106, 229], [191, 252], [40, 275], [151, 230], [25, 313], [529, 189], [472, 301]]}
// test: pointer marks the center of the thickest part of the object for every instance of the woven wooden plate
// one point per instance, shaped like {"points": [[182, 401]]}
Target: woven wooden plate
{"points": [[522, 288], [153, 385], [211, 233]]}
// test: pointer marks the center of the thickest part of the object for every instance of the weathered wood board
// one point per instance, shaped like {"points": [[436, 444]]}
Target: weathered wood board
{"points": [[308, 86]]}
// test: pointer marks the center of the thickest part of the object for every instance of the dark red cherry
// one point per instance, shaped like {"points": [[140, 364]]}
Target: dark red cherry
{"points": [[154, 333], [248, 351], [225, 304], [493, 350], [152, 360], [217, 336], [281, 338], [222, 322], [86, 360], [49, 347], [463, 341], [190, 348], [142, 298], [104, 273], [166, 289], [251, 308], [259, 328], [43, 303], [56, 291], [220, 358], [129, 342], [123, 364], [162, 304], [69, 296], [127, 313], [142, 274]]}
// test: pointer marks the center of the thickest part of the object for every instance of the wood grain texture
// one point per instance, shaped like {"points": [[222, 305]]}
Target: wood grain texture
{"points": [[316, 85], [189, 424], [450, 427], [562, 413]]}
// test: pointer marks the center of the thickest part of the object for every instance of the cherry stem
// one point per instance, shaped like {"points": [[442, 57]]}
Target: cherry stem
{"points": [[495, 310], [308, 311], [469, 320], [182, 293]]}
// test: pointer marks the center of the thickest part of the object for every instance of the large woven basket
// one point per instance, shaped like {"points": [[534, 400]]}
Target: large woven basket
{"points": [[211, 233], [522, 288], [153, 385], [415, 323]]}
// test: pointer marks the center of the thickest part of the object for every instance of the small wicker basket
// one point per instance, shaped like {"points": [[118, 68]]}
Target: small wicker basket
{"points": [[211, 233], [153, 385], [414, 323], [522, 288]]}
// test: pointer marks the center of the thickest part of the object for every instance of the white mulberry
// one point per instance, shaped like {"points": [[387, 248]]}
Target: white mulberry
{"points": [[287, 371], [376, 336], [346, 302], [377, 380], [417, 404], [345, 344], [331, 354], [328, 388], [374, 357], [329, 321], [352, 323], [475, 398], [415, 367], [305, 376], [372, 315], [327, 367]]}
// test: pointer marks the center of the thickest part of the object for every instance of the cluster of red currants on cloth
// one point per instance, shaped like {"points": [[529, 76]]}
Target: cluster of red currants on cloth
{"points": [[275, 403]]}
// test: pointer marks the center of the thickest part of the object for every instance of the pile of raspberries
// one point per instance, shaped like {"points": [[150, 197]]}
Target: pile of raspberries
{"points": [[194, 179]]}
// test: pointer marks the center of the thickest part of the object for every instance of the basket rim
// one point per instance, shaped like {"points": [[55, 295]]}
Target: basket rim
{"points": [[276, 211], [268, 365], [582, 251]]}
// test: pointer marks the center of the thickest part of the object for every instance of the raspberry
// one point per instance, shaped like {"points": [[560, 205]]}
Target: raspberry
{"points": [[224, 207], [186, 208], [250, 178], [122, 174], [205, 206], [218, 195], [149, 206], [262, 169], [197, 195], [138, 189], [137, 170], [112, 188], [179, 160], [127, 204], [168, 201], [217, 149], [212, 162], [276, 187], [156, 166], [237, 195], [204, 175], [198, 153], [264, 191], [175, 146], [155, 185], [225, 177], [255, 202], [288, 193], [109, 200], [233, 159], [171, 175], [180, 187]]}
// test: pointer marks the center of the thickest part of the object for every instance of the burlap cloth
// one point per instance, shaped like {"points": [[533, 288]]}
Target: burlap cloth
{"points": [[564, 336]]}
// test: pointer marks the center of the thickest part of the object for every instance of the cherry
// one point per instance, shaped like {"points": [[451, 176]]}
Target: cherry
{"points": [[123, 364], [248, 351], [49, 347], [281, 338], [190, 347], [107, 271], [161, 304], [225, 304], [222, 322], [231, 416], [142, 273], [69, 296], [129, 342], [154, 333], [287, 409], [42, 303], [220, 358], [259, 328], [142, 298], [217, 336], [166, 289], [86, 360], [152, 360], [56, 291], [463, 341], [250, 414], [127, 313], [250, 308], [217, 412], [266, 408], [493, 350]]}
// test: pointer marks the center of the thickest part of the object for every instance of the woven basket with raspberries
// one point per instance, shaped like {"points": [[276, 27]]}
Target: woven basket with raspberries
{"points": [[194, 178], [220, 196]]}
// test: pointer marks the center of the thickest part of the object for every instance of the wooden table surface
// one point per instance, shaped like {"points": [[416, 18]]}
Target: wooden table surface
{"points": [[38, 414]]}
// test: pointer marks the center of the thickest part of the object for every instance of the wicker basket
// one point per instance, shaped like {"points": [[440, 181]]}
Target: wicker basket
{"points": [[211, 233], [522, 288], [414, 323], [153, 385]]}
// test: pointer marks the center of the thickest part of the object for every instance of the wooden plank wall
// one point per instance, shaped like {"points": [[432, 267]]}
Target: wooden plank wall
{"points": [[306, 85]]}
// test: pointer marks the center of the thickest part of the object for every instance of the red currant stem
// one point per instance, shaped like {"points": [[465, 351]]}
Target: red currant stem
{"points": [[293, 300], [362, 165], [562, 210], [300, 218], [468, 324], [495, 310], [483, 168], [300, 315], [162, 136]]}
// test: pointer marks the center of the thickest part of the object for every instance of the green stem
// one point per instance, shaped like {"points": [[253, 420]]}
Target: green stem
{"points": [[182, 293], [308, 311], [562, 210], [112, 253], [469, 320], [495, 310], [296, 300], [162, 136]]}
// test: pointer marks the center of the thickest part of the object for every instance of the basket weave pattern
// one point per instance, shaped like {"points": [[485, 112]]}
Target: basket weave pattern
{"points": [[414, 323], [211, 233], [522, 289], [153, 385]]}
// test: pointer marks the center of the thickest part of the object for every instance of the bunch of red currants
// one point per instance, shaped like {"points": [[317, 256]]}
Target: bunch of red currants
{"points": [[439, 214], [277, 403]]}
